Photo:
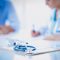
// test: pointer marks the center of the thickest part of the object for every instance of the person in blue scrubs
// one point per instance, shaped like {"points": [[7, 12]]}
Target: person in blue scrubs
{"points": [[8, 19], [8, 23]]}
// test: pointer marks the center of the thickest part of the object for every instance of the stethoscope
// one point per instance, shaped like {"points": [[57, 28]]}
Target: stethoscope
{"points": [[23, 48]]}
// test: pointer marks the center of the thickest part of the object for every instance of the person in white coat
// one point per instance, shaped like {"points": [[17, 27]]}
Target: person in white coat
{"points": [[54, 26], [54, 29]]}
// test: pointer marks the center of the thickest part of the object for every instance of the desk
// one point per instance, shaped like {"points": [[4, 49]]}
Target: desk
{"points": [[41, 46]]}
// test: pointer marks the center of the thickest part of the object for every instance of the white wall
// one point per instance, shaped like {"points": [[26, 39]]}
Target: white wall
{"points": [[31, 12]]}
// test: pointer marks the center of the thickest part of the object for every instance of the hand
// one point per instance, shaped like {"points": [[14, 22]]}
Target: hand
{"points": [[35, 34], [2, 29], [9, 29], [5, 29]]}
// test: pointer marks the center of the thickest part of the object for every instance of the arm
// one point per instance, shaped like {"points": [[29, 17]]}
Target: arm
{"points": [[34, 33], [42, 31], [12, 19]]}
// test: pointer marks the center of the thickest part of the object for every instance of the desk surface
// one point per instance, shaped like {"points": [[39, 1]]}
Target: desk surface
{"points": [[40, 45]]}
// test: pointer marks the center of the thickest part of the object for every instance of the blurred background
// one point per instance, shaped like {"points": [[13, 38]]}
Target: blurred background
{"points": [[32, 12]]}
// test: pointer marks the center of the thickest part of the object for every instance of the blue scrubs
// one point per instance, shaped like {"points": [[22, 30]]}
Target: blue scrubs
{"points": [[3, 12], [7, 13]]}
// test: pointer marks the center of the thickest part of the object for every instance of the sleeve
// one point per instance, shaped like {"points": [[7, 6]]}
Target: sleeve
{"points": [[12, 18], [43, 30]]}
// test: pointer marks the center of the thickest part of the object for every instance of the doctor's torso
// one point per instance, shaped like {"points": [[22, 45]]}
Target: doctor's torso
{"points": [[3, 12], [55, 21]]}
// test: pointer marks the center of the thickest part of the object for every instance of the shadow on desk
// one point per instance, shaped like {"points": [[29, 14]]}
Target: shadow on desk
{"points": [[54, 37]]}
